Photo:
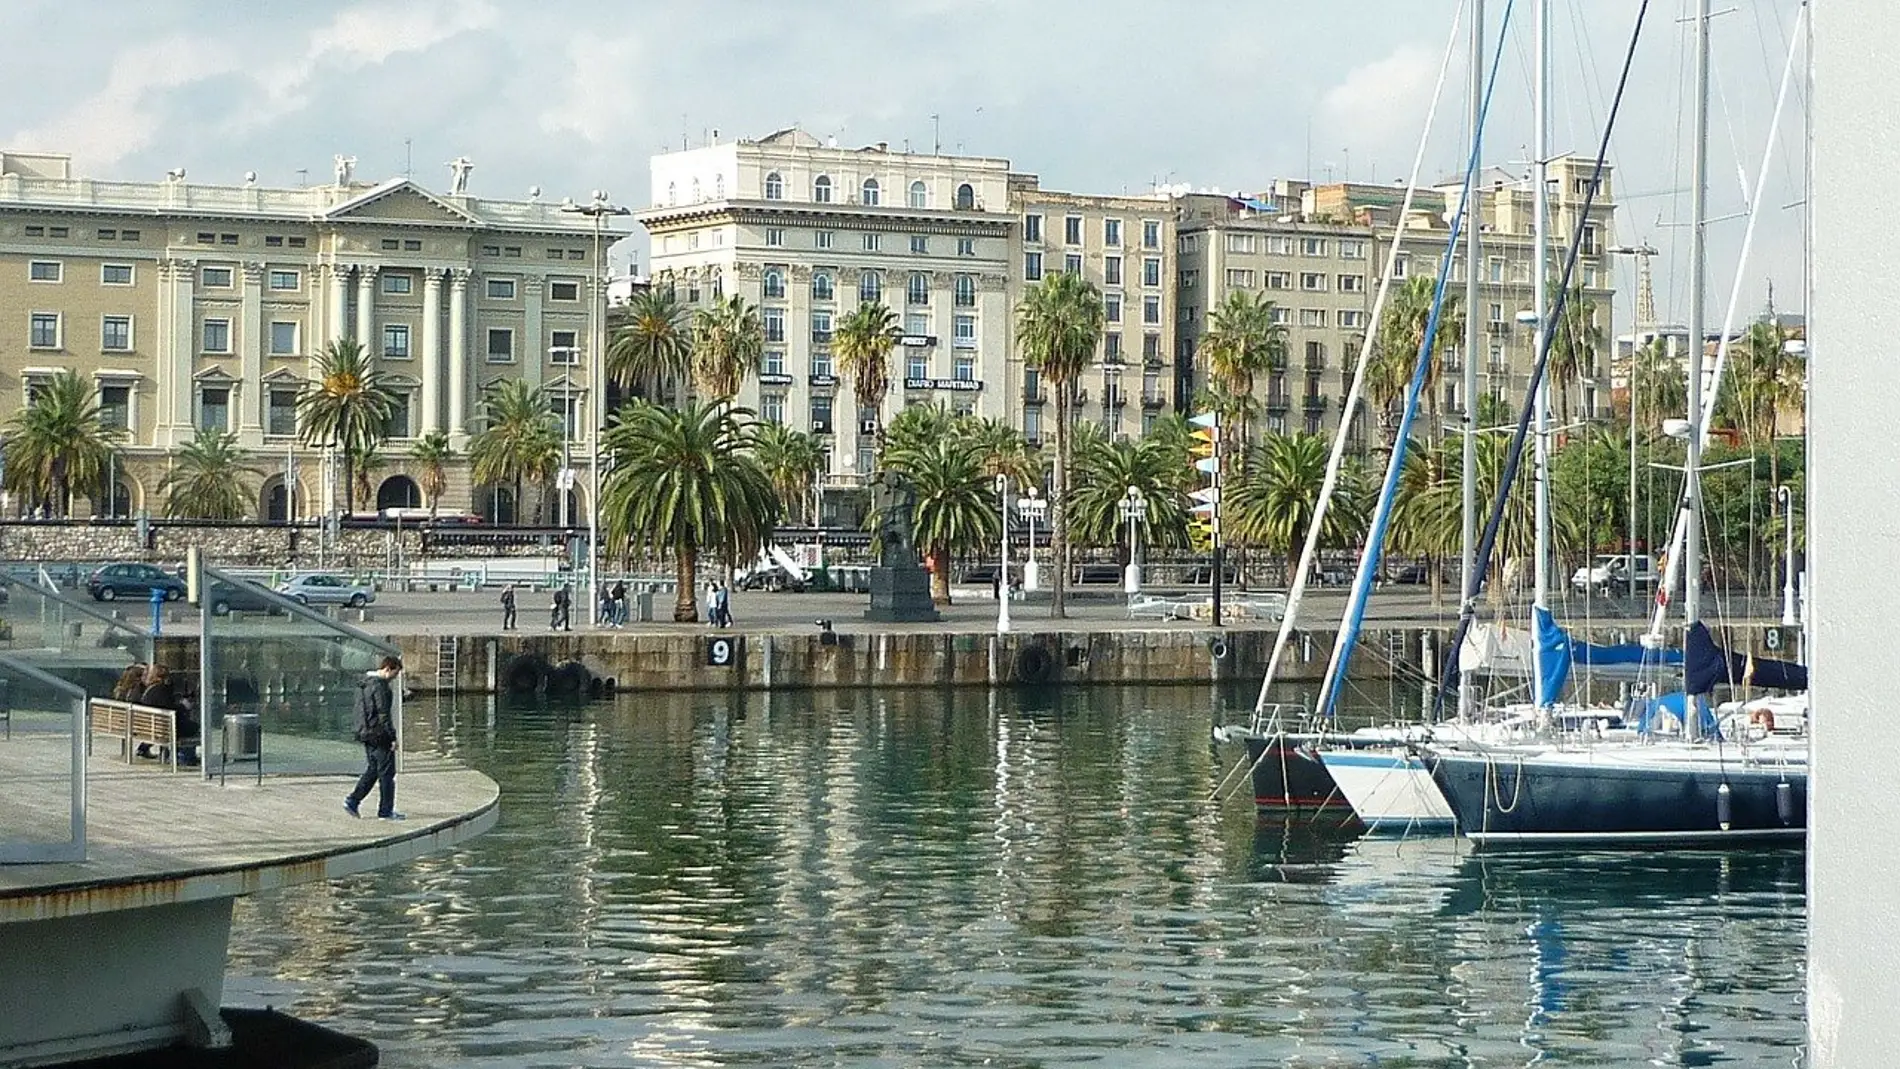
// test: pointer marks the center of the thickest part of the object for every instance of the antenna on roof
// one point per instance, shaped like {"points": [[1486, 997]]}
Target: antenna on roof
{"points": [[936, 135], [408, 160]]}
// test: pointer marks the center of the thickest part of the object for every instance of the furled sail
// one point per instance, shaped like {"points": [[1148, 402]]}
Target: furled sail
{"points": [[1706, 664]]}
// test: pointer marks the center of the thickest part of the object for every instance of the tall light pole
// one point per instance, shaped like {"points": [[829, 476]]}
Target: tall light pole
{"points": [[1785, 495], [598, 207], [1133, 507], [1002, 577], [1031, 507]]}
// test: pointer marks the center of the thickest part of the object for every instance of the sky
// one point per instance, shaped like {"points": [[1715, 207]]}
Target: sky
{"points": [[1101, 96]]}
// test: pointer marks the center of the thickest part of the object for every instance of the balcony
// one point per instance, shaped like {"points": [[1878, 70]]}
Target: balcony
{"points": [[1315, 366], [1277, 404], [1154, 363], [1153, 399], [1113, 397], [1033, 396], [821, 337], [1315, 402], [1497, 328]]}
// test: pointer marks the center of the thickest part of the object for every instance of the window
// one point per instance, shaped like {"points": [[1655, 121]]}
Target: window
{"points": [[207, 238], [396, 341], [1072, 263], [1352, 283], [1032, 266], [397, 425], [1589, 242], [501, 345], [412, 245], [772, 407], [283, 338], [965, 291], [966, 246], [1112, 271], [1312, 246], [917, 364], [919, 245], [45, 271], [773, 320], [391, 244], [1279, 280], [1151, 348], [1350, 319], [274, 241], [1312, 317], [280, 413], [1240, 243], [821, 286], [115, 406], [868, 192], [773, 363], [491, 250], [44, 332], [1032, 229], [564, 347], [820, 410], [870, 288], [227, 239], [821, 189], [1112, 347], [820, 363], [564, 291], [1072, 230], [917, 290], [1032, 423], [108, 235], [284, 280], [963, 332], [1401, 266], [1112, 233], [1279, 246], [511, 252], [115, 333], [917, 324], [1151, 309], [214, 408], [774, 187], [1151, 271], [216, 277], [217, 336], [295, 242], [1151, 233], [1239, 279], [1112, 307], [115, 274], [821, 327], [672, 193], [1497, 312], [1312, 282], [501, 289], [821, 239], [1190, 279], [773, 286], [692, 240], [919, 195], [1352, 250], [966, 197], [775, 236], [873, 242]]}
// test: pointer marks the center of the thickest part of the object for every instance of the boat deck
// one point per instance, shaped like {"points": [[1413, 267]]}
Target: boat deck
{"points": [[156, 837]]}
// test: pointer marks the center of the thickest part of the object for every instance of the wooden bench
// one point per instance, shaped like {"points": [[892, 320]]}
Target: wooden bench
{"points": [[132, 724]]}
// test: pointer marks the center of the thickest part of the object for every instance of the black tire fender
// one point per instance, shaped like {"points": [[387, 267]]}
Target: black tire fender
{"points": [[525, 673], [1034, 664]]}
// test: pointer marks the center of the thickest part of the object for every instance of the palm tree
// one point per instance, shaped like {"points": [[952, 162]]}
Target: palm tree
{"points": [[1059, 323], [684, 481], [433, 452], [918, 425], [206, 479], [1273, 501], [520, 440], [728, 345], [1424, 523], [1242, 341], [1659, 385], [1395, 350], [1002, 449], [654, 345], [346, 408], [955, 511], [792, 460], [1573, 349], [1104, 471], [863, 343], [58, 442]]}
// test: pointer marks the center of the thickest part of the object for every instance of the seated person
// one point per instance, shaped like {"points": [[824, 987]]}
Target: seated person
{"points": [[160, 693]]}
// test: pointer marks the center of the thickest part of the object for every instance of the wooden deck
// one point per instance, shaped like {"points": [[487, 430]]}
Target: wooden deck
{"points": [[157, 837]]}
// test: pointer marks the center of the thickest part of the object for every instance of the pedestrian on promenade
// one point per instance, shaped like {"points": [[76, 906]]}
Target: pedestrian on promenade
{"points": [[604, 609], [712, 604], [620, 602], [560, 614], [376, 730], [508, 607], [722, 606]]}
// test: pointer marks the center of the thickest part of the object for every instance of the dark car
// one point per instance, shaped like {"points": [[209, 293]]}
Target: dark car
{"points": [[135, 582], [244, 596], [1411, 573], [1098, 573]]}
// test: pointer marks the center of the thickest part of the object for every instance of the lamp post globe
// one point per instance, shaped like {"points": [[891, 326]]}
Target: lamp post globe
{"points": [[1133, 508]]}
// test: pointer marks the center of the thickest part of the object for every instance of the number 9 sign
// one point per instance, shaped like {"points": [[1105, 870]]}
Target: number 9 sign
{"points": [[722, 652]]}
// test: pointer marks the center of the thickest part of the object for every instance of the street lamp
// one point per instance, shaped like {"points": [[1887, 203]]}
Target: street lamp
{"points": [[1031, 508], [1002, 577], [564, 482], [1785, 495], [1133, 509], [597, 208]]}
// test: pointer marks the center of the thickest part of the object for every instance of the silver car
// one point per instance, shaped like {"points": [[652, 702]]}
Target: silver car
{"points": [[316, 588]]}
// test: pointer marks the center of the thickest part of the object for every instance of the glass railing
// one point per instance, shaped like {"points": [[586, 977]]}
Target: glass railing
{"points": [[81, 642], [43, 763], [278, 682]]}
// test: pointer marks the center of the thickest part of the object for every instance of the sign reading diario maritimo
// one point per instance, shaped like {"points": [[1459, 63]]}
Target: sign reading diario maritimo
{"points": [[963, 385]]}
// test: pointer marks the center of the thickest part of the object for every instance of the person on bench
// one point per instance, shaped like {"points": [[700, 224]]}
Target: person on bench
{"points": [[161, 694]]}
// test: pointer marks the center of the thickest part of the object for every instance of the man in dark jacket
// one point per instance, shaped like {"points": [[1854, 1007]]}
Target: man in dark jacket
{"points": [[376, 730]]}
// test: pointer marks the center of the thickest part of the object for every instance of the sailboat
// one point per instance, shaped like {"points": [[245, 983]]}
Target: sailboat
{"points": [[1709, 785]]}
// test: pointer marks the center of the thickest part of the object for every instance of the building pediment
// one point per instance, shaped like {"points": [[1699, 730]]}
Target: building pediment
{"points": [[400, 200]]}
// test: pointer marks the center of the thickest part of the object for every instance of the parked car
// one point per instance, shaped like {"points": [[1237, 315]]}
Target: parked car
{"points": [[133, 581], [1413, 572], [1098, 573], [316, 588], [247, 595], [1618, 573], [768, 575]]}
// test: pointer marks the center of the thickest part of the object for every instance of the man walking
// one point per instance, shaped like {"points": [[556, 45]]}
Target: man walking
{"points": [[376, 730], [508, 607], [558, 613], [619, 600]]}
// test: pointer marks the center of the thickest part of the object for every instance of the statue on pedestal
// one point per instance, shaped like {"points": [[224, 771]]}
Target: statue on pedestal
{"points": [[900, 590]]}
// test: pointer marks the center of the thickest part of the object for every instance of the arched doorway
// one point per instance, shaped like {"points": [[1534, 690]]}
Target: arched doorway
{"points": [[398, 492], [116, 504], [271, 502], [495, 504]]}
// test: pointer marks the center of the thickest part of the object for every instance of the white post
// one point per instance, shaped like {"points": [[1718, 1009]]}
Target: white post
{"points": [[1002, 579], [1131, 511], [1030, 505], [1786, 496]]}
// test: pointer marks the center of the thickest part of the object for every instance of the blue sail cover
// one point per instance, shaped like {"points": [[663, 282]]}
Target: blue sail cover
{"points": [[1705, 664], [1559, 652], [1553, 657]]}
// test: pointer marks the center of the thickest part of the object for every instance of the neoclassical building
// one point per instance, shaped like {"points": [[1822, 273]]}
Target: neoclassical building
{"points": [[200, 307]]}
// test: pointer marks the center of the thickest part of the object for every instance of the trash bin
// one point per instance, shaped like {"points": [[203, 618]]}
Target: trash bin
{"points": [[643, 606], [243, 740]]}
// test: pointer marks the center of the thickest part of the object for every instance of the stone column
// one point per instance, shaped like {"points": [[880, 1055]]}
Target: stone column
{"points": [[182, 360], [251, 332], [531, 349], [458, 355], [431, 361], [338, 312], [366, 308]]}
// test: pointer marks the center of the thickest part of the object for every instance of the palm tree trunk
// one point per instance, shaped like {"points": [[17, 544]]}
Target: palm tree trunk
{"points": [[939, 575], [1059, 509], [349, 482], [686, 582]]}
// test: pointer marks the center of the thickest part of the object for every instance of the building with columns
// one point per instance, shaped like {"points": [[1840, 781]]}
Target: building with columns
{"points": [[201, 307]]}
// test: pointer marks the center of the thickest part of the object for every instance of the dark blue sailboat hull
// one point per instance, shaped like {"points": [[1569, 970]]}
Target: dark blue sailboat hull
{"points": [[1502, 800]]}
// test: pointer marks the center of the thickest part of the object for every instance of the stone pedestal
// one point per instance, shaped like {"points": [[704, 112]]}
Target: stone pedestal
{"points": [[900, 594]]}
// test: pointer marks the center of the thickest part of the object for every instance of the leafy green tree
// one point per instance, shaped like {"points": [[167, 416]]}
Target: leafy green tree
{"points": [[957, 510], [1002, 449], [433, 452], [206, 480], [1104, 471], [346, 408], [1425, 524], [728, 346], [916, 426], [686, 481], [1058, 327], [1273, 501], [520, 441], [1401, 332], [58, 443], [654, 345], [792, 461], [863, 343]]}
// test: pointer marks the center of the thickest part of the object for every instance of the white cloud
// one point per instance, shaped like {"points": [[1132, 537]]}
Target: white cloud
{"points": [[121, 118], [1381, 105], [600, 95]]}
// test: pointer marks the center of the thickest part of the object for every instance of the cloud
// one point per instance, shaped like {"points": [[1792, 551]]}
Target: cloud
{"points": [[1381, 105], [122, 117], [601, 95]]}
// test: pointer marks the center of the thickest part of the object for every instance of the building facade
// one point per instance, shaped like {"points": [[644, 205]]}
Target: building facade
{"points": [[198, 307]]}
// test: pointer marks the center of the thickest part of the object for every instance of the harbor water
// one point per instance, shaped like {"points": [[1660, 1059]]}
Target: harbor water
{"points": [[943, 878]]}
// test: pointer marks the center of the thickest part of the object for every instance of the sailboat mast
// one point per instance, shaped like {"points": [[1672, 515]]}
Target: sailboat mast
{"points": [[1698, 313], [1468, 575], [1540, 278]]}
